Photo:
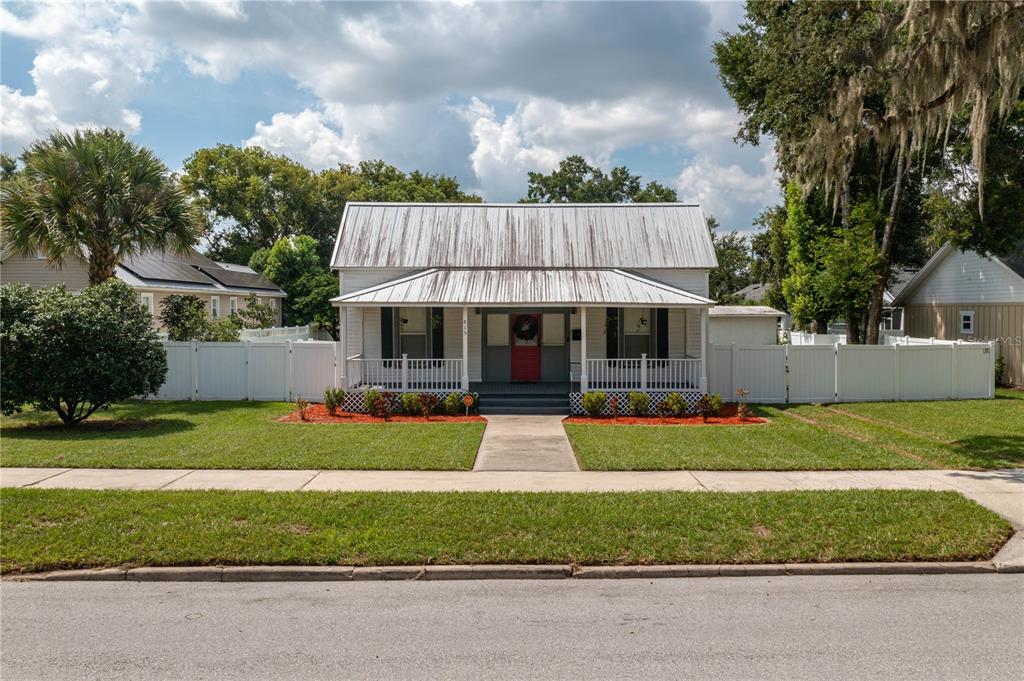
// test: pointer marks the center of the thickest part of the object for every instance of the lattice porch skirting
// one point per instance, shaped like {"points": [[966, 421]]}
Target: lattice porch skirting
{"points": [[355, 401], [656, 396]]}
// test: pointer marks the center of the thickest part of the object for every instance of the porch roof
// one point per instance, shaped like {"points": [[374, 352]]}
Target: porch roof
{"points": [[541, 287]]}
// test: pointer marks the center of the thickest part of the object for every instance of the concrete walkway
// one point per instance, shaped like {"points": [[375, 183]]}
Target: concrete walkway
{"points": [[1001, 491], [525, 443]]}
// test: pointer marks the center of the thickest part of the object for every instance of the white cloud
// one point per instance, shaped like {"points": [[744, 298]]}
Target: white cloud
{"points": [[86, 71], [306, 137], [729, 191]]}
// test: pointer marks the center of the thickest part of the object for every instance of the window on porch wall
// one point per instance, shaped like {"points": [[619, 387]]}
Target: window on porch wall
{"points": [[415, 331], [636, 331]]}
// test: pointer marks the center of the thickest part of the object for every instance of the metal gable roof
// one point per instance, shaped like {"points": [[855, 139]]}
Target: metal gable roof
{"points": [[547, 287], [550, 235]]}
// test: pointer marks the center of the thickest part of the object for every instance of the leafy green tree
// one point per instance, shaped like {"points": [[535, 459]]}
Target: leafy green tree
{"points": [[293, 265], [312, 303], [733, 271], [95, 195], [252, 198], [838, 83], [255, 315], [76, 353], [183, 317], [849, 260], [576, 181], [800, 286], [768, 249], [379, 181]]}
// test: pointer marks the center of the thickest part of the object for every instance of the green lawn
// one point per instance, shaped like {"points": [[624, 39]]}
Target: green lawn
{"points": [[50, 529], [234, 435], [869, 435]]}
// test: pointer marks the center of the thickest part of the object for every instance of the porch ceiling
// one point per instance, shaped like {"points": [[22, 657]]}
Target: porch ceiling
{"points": [[541, 287]]}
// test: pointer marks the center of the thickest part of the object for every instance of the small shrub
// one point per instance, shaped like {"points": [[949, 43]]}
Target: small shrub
{"points": [[664, 409], [383, 405], [742, 410], [1000, 370], [593, 402], [410, 404], [639, 403], [334, 398], [613, 405], [676, 404], [370, 398], [302, 405], [452, 404], [709, 405], [428, 402]]}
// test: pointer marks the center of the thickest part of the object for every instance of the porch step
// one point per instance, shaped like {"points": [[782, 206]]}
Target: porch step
{"points": [[519, 403]]}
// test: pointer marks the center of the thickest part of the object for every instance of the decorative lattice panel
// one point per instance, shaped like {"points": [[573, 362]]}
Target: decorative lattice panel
{"points": [[576, 401], [355, 400]]}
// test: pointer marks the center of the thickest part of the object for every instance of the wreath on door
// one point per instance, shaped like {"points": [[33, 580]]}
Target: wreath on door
{"points": [[525, 327]]}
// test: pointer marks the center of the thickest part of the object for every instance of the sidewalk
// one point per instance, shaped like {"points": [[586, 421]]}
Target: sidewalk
{"points": [[1001, 490]]}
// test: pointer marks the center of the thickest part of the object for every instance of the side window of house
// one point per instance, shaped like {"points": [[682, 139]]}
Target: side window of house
{"points": [[412, 332], [232, 305], [147, 301], [636, 330], [215, 307], [966, 322]]}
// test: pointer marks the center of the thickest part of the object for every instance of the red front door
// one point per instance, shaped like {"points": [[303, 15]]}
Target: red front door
{"points": [[525, 347]]}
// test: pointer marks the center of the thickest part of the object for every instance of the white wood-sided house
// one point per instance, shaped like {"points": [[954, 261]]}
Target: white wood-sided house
{"points": [[526, 304]]}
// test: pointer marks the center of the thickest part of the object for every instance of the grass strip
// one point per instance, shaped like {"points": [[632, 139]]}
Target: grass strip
{"points": [[242, 435], [52, 529]]}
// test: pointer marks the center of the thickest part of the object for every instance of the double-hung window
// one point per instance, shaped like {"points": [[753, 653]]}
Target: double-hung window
{"points": [[147, 302], [636, 331], [412, 331], [232, 305], [215, 307], [966, 322]]}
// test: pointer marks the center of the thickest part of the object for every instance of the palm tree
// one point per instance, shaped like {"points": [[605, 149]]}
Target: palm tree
{"points": [[95, 195]]}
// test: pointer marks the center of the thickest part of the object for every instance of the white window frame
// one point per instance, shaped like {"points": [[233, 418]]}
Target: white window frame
{"points": [[215, 307], [422, 314], [146, 299], [232, 305], [273, 304], [967, 316]]}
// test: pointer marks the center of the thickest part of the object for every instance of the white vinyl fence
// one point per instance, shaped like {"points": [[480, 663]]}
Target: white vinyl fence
{"points": [[270, 371], [276, 333], [853, 373], [804, 338]]}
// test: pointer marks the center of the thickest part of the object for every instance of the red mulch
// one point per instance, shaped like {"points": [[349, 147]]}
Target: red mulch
{"points": [[317, 413], [726, 418]]}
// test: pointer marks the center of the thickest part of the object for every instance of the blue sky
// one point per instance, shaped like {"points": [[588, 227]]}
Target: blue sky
{"points": [[482, 91]]}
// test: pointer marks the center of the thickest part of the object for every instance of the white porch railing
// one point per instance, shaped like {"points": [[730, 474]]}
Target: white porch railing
{"points": [[643, 374], [404, 375]]}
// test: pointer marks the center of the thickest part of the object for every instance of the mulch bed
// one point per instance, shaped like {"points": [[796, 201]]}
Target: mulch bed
{"points": [[317, 413], [726, 418]]}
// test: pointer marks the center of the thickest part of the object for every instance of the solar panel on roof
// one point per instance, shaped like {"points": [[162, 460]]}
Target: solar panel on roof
{"points": [[165, 267]]}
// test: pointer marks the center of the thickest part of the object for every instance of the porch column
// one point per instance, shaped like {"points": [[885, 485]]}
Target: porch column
{"points": [[704, 349], [465, 349], [342, 380], [584, 379]]}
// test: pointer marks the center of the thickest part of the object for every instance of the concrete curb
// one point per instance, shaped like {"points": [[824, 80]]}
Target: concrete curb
{"points": [[331, 573], [1011, 557]]}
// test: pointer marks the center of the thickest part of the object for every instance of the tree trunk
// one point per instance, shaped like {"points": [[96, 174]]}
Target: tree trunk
{"points": [[102, 263], [853, 336], [875, 309]]}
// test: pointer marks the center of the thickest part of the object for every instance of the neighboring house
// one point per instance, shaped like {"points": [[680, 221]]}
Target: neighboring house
{"points": [[530, 304], [961, 295], [753, 293], [222, 287], [745, 325]]}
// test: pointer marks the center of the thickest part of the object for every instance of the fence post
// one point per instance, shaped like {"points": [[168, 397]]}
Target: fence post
{"points": [[835, 368], [896, 372], [288, 369], [643, 371], [952, 369], [249, 391], [992, 349], [194, 368], [734, 361], [405, 372]]}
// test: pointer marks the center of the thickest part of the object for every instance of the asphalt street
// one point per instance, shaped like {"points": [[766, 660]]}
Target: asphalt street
{"points": [[841, 627]]}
